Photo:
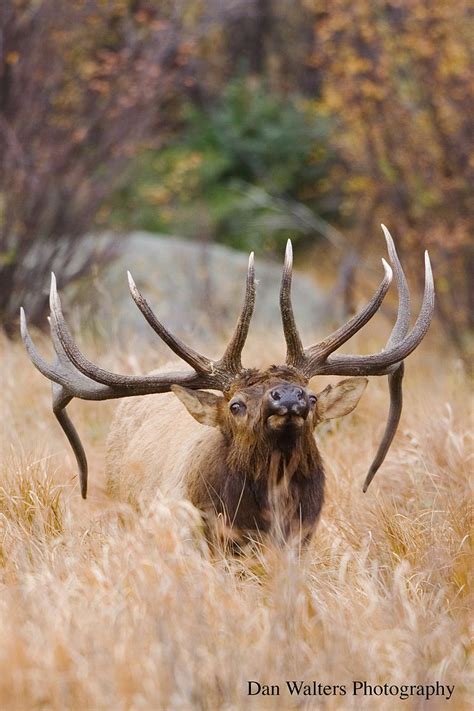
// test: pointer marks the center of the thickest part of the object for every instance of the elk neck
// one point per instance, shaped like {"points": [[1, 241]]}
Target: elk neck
{"points": [[287, 454]]}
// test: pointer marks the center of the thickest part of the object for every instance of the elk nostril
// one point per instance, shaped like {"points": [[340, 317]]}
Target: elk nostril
{"points": [[299, 394], [275, 395]]}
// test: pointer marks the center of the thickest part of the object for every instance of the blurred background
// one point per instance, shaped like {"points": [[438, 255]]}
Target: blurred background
{"points": [[130, 127]]}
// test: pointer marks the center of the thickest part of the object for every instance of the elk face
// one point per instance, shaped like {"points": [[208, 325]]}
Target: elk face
{"points": [[276, 406], [259, 405], [269, 405]]}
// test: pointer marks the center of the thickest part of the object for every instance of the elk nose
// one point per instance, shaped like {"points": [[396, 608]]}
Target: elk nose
{"points": [[288, 399]]}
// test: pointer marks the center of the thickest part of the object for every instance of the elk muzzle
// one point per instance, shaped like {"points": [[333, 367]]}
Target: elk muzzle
{"points": [[286, 406]]}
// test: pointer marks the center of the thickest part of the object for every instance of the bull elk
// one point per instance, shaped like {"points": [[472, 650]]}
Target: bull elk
{"points": [[249, 458]]}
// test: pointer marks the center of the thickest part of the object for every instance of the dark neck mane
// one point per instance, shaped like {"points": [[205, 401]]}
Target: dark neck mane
{"points": [[275, 488], [293, 453]]}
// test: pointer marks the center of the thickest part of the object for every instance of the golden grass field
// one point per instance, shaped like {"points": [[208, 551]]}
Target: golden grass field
{"points": [[103, 607]]}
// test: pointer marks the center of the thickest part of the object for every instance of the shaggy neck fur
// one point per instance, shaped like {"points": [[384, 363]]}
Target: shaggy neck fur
{"points": [[288, 452], [274, 487]]}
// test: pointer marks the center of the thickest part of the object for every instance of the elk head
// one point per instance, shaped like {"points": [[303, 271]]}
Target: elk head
{"points": [[273, 405], [269, 410]]}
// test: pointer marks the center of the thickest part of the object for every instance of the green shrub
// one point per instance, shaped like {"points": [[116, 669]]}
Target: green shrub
{"points": [[231, 171]]}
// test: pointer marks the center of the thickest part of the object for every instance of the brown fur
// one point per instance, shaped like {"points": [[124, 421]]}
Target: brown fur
{"points": [[244, 477]]}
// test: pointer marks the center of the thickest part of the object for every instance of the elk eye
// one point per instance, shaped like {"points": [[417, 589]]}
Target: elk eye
{"points": [[237, 407], [312, 400]]}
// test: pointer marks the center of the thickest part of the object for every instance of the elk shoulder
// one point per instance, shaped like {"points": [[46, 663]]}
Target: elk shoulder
{"points": [[155, 445]]}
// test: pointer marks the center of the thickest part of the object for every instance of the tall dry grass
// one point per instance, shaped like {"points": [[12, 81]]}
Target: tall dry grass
{"points": [[102, 607]]}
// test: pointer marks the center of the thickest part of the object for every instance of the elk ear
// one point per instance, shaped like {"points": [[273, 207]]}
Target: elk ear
{"points": [[203, 406], [338, 400]]}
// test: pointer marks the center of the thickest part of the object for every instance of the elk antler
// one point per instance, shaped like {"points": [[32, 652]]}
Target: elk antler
{"points": [[73, 375], [318, 359]]}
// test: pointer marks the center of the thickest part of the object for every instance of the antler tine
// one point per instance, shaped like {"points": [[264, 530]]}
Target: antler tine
{"points": [[231, 360], [200, 363], [395, 381], [318, 353], [35, 357], [59, 409], [294, 347], [402, 324]]}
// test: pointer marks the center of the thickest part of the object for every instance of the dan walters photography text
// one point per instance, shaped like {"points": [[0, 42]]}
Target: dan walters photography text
{"points": [[356, 688]]}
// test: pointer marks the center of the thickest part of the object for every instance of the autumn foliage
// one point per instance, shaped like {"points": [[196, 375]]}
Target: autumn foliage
{"points": [[398, 83], [83, 83]]}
